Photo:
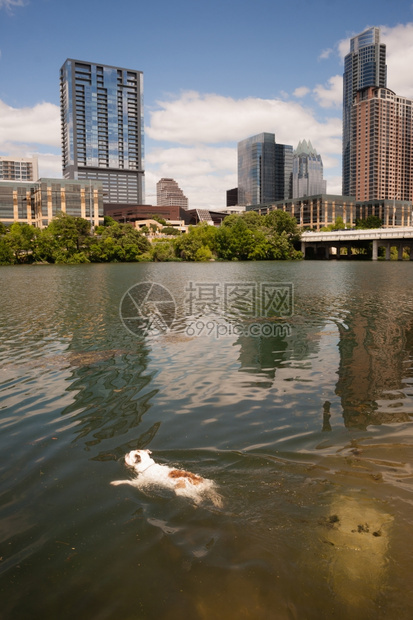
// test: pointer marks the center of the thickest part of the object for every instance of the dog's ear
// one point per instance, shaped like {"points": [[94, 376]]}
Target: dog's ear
{"points": [[149, 451]]}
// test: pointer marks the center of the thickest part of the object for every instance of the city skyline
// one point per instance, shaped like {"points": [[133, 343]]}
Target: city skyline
{"points": [[203, 90]]}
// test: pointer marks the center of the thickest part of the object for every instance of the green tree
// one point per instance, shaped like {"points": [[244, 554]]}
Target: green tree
{"points": [[120, 243], [170, 230], [159, 219], [338, 225], [201, 235], [163, 251], [252, 219], [71, 235], [372, 221], [21, 240], [46, 246], [203, 254], [6, 254], [236, 241], [281, 221]]}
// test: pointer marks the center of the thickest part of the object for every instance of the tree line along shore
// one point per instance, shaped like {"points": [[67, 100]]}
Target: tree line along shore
{"points": [[70, 240]]}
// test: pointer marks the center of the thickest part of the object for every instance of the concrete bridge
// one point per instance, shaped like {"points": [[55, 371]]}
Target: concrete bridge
{"points": [[333, 241]]}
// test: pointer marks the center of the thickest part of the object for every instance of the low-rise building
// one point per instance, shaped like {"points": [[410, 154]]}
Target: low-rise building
{"points": [[38, 203], [133, 213], [321, 210]]}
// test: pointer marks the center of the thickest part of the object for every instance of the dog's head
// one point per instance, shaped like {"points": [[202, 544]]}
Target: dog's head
{"points": [[139, 459]]}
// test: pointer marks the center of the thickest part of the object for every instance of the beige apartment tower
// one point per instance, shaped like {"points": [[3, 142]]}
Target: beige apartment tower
{"points": [[382, 156], [168, 194], [19, 169]]}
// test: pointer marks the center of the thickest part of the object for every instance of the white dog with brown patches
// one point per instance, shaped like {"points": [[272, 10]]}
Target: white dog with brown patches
{"points": [[185, 483]]}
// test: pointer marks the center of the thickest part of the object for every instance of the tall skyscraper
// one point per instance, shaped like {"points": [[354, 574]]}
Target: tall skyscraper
{"points": [[264, 170], [307, 171], [364, 66], [382, 146], [102, 128], [168, 193]]}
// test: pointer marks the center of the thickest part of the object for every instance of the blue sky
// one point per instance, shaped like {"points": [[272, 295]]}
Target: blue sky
{"points": [[214, 73]]}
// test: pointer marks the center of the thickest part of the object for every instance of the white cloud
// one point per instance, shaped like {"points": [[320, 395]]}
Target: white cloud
{"points": [[50, 165], [9, 5], [330, 95], [301, 91], [204, 173], [27, 132], [326, 54], [37, 125], [399, 48], [194, 118], [343, 46], [209, 122]]}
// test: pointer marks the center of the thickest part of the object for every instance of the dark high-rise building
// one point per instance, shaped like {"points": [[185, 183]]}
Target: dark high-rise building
{"points": [[283, 171], [232, 197], [364, 66], [102, 128], [264, 170]]}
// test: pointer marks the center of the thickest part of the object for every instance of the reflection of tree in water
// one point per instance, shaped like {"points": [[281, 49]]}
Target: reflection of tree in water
{"points": [[374, 349], [111, 397]]}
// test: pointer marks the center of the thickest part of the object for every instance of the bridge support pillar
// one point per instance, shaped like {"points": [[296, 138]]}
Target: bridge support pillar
{"points": [[387, 251], [411, 252], [327, 251], [400, 252], [375, 249]]}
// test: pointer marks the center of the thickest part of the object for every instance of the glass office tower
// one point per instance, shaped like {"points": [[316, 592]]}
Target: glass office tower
{"points": [[307, 177], [102, 128], [364, 66], [264, 170]]}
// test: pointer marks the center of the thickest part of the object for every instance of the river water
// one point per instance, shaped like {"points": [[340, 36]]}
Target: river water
{"points": [[300, 412]]}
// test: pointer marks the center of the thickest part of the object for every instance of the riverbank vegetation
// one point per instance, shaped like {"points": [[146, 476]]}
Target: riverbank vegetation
{"points": [[69, 240]]}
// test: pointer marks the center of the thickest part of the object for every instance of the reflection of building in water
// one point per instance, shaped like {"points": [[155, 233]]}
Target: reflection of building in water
{"points": [[111, 395], [373, 353], [110, 384], [292, 342]]}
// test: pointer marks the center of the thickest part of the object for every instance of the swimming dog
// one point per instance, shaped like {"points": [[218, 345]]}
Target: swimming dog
{"points": [[184, 483]]}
